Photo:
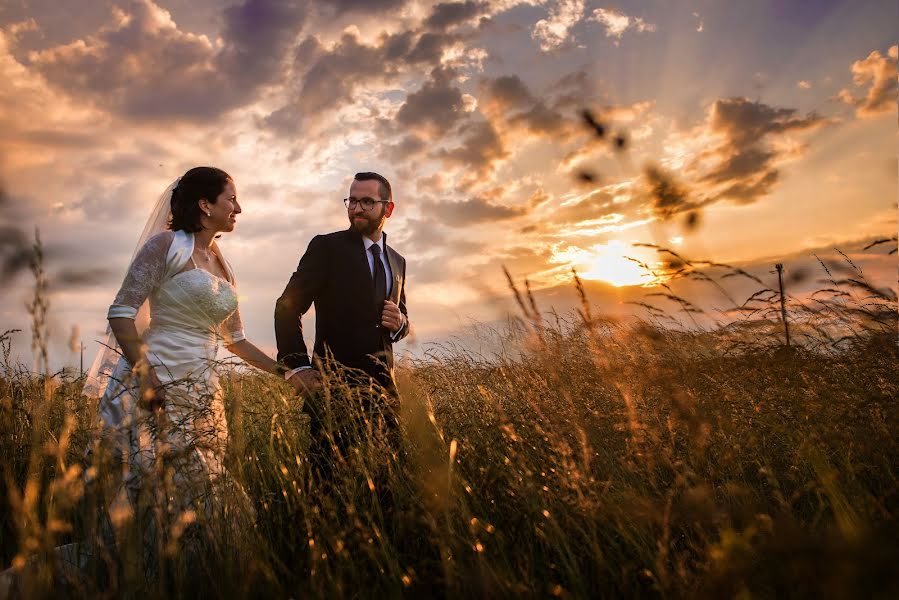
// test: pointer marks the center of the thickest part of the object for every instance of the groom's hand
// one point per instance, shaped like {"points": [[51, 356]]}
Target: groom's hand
{"points": [[306, 382], [391, 317]]}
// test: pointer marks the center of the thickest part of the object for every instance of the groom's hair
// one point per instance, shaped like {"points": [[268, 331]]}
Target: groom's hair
{"points": [[199, 182], [383, 189]]}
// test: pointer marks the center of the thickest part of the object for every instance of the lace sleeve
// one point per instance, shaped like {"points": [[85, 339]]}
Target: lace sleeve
{"points": [[144, 275], [231, 329]]}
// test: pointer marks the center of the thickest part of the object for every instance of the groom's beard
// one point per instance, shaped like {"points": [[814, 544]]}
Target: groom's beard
{"points": [[369, 225]]}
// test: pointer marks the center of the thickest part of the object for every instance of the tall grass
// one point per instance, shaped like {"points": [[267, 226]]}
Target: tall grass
{"points": [[587, 458]]}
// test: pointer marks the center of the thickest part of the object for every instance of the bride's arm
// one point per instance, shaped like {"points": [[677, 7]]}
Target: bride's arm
{"points": [[252, 355], [231, 331], [126, 335], [144, 274]]}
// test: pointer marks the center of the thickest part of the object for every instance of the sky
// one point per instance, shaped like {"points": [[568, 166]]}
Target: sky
{"points": [[741, 132]]}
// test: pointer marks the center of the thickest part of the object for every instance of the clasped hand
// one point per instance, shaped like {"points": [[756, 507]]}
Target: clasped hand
{"points": [[306, 381], [391, 317]]}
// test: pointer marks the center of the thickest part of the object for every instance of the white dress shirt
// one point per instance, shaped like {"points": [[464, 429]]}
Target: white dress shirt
{"points": [[371, 261]]}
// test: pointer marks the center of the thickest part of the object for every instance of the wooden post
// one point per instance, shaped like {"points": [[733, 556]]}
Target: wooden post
{"points": [[783, 304], [82, 359]]}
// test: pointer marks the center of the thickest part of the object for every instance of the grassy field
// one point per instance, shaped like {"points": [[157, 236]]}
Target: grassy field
{"points": [[588, 458]]}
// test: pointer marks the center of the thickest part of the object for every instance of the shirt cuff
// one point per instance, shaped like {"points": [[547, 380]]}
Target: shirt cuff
{"points": [[235, 336], [290, 374], [120, 311], [394, 336]]}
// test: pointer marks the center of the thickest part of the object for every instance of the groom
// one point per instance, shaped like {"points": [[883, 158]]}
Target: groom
{"points": [[357, 283]]}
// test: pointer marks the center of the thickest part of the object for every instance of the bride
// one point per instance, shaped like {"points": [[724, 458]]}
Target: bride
{"points": [[160, 404]]}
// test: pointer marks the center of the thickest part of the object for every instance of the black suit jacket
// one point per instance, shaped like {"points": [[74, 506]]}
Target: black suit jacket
{"points": [[334, 275]]}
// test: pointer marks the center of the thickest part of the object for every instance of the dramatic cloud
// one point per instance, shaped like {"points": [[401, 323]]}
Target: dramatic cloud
{"points": [[510, 98], [481, 147], [553, 31], [472, 211], [616, 23], [364, 6], [75, 278], [436, 107], [257, 34], [509, 92], [744, 162], [472, 108], [594, 205], [331, 79], [143, 66], [328, 78], [408, 146], [450, 14], [15, 252], [879, 73]]}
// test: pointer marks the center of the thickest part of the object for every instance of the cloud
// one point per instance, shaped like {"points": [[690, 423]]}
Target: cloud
{"points": [[553, 31], [595, 204], [470, 212], [409, 146], [804, 84], [743, 166], [481, 147], [257, 35], [81, 278], [15, 252], [509, 97], [330, 80], [879, 73], [541, 119], [143, 66], [451, 14], [508, 92], [436, 106], [326, 79], [428, 49], [363, 6], [616, 23]]}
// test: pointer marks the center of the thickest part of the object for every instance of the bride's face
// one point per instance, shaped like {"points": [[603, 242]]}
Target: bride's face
{"points": [[223, 214]]}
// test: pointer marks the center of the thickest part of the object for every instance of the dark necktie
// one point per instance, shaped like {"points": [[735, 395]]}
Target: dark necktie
{"points": [[380, 280]]}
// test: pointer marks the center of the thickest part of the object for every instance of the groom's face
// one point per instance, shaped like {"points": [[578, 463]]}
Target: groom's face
{"points": [[366, 222]]}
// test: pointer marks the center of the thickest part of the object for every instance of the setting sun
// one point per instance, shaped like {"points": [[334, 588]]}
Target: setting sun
{"points": [[610, 263]]}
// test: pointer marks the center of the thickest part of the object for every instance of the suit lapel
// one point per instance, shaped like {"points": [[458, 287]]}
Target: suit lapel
{"points": [[394, 272]]}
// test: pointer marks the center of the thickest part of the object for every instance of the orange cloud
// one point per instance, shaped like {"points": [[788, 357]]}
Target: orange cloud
{"points": [[879, 73], [743, 166], [143, 66]]}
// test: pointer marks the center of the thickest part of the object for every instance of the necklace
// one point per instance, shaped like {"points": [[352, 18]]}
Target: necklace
{"points": [[206, 255]]}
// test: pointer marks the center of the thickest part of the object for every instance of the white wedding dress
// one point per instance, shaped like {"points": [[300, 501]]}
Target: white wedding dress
{"points": [[182, 447]]}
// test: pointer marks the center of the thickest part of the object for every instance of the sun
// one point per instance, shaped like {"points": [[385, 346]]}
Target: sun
{"points": [[610, 263]]}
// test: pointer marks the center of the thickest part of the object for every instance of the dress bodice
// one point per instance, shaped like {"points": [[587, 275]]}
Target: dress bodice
{"points": [[195, 300]]}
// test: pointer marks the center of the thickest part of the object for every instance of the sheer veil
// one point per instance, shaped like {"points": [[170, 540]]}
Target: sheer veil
{"points": [[108, 354]]}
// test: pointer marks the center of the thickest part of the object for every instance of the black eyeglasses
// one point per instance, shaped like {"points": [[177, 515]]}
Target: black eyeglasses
{"points": [[367, 203]]}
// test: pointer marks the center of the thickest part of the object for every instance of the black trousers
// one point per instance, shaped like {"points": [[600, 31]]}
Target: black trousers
{"points": [[335, 429]]}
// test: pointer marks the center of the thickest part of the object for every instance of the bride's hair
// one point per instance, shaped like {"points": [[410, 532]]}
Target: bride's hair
{"points": [[199, 182]]}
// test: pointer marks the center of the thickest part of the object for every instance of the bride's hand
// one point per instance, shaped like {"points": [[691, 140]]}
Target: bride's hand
{"points": [[152, 394], [306, 382]]}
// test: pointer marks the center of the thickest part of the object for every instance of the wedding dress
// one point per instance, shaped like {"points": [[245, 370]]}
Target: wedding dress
{"points": [[167, 483], [191, 311]]}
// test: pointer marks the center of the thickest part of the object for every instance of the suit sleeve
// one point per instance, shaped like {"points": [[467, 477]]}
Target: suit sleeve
{"points": [[406, 326], [303, 288]]}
